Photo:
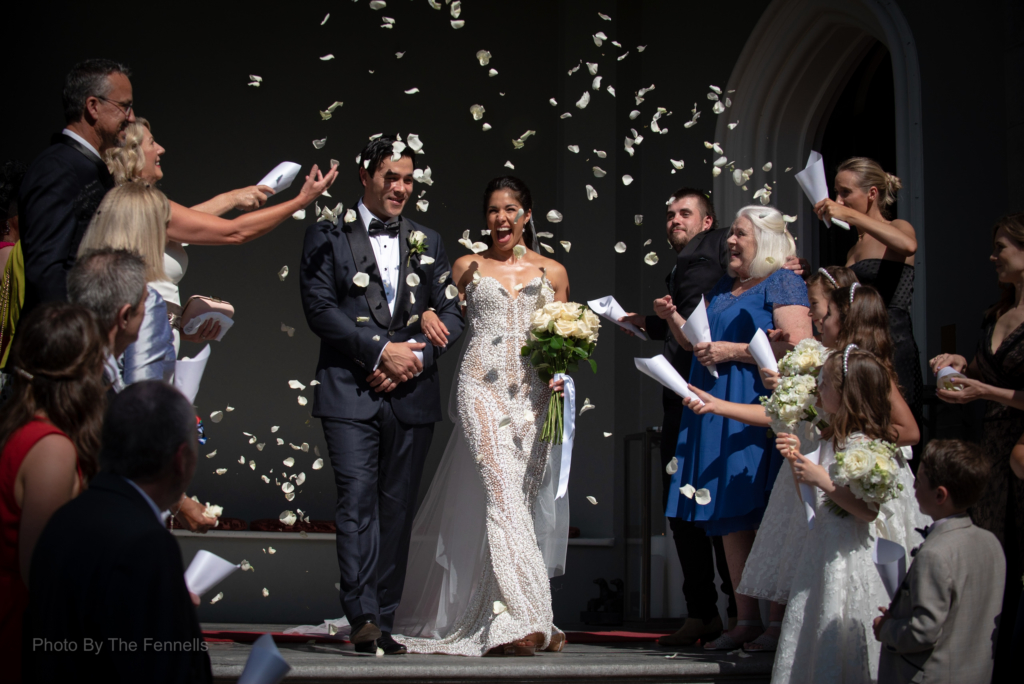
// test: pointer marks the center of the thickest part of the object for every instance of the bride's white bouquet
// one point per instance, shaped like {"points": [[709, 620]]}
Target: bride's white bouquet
{"points": [[870, 469], [794, 398], [561, 335]]}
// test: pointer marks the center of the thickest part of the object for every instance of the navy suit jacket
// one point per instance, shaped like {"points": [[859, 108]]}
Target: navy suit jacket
{"points": [[105, 568], [59, 195], [699, 266], [354, 323]]}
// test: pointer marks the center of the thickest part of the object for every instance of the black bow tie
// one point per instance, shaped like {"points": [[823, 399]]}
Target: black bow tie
{"points": [[378, 227]]}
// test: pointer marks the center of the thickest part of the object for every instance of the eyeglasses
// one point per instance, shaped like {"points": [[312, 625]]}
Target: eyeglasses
{"points": [[125, 107]]}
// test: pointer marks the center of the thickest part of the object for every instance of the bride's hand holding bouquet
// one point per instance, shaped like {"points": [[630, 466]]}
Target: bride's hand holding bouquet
{"points": [[561, 335]]}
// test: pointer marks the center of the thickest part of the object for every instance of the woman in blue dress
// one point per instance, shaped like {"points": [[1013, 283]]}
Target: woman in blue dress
{"points": [[733, 461]]}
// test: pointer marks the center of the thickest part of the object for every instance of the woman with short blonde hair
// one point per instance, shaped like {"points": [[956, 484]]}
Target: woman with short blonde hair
{"points": [[134, 216], [775, 244]]}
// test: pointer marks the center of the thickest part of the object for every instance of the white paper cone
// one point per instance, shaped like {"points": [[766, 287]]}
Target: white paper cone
{"points": [[265, 665], [281, 177], [610, 310], [761, 350], [697, 330], [807, 491], [891, 560], [812, 181], [188, 373], [660, 369], [206, 571]]}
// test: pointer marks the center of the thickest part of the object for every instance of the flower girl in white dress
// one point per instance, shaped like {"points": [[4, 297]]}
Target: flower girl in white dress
{"points": [[826, 634]]}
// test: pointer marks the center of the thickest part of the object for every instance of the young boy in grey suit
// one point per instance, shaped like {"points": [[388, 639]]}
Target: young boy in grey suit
{"points": [[941, 625]]}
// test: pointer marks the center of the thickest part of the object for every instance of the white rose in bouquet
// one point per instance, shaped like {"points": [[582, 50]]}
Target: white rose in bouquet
{"points": [[804, 359], [869, 468], [791, 402], [564, 327]]}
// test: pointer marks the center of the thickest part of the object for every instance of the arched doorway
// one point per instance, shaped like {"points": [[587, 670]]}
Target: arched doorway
{"points": [[788, 80]]}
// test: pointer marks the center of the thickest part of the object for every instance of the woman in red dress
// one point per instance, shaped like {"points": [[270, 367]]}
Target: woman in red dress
{"points": [[50, 432]]}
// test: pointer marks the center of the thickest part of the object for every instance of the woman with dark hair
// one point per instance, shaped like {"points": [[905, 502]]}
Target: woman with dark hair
{"points": [[50, 432], [883, 256], [491, 508], [996, 375]]}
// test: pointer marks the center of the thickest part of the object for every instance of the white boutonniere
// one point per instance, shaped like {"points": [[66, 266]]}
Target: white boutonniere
{"points": [[417, 244]]}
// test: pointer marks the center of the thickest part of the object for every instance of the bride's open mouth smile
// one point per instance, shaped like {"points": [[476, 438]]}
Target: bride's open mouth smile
{"points": [[503, 234]]}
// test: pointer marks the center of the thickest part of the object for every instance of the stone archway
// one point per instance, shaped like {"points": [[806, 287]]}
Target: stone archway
{"points": [[795, 64]]}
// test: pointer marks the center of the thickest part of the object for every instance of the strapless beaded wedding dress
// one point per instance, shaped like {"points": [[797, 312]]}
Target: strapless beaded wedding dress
{"points": [[488, 535]]}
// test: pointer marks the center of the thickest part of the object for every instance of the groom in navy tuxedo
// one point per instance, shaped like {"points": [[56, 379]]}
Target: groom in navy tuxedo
{"points": [[366, 280]]}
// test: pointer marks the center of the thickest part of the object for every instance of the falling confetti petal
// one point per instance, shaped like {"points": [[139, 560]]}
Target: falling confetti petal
{"points": [[288, 518], [687, 490], [554, 216], [241, 459], [221, 471], [484, 57], [702, 497], [575, 149], [510, 165], [548, 248], [633, 114], [499, 608], [361, 279], [519, 251], [647, 242], [326, 58], [592, 500], [412, 91], [767, 167], [584, 101], [599, 172], [607, 434], [252, 464], [651, 259], [591, 192], [638, 219], [492, 72], [672, 466], [265, 592], [289, 462], [566, 245], [216, 417], [611, 91], [477, 111], [604, 16], [211, 454], [620, 247], [451, 292], [318, 144], [601, 154], [586, 406], [271, 550], [216, 598], [627, 179], [302, 401], [599, 38], [718, 108], [412, 280], [567, 115], [318, 464], [300, 215], [596, 85], [788, 219], [458, 24]]}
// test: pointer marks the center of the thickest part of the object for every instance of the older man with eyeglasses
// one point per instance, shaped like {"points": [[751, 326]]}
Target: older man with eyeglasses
{"points": [[64, 185]]}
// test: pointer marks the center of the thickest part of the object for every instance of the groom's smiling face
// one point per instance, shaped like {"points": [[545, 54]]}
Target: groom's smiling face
{"points": [[387, 191]]}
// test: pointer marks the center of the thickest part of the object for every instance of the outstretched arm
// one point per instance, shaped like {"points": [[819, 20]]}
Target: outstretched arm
{"points": [[197, 228], [242, 199]]}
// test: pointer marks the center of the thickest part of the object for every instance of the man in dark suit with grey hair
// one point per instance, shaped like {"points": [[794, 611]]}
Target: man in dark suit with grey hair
{"points": [[365, 281]]}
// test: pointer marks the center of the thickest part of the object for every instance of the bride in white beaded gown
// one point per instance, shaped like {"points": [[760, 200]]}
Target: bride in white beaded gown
{"points": [[490, 533]]}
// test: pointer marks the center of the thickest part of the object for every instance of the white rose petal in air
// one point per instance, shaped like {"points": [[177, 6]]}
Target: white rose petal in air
{"points": [[767, 167], [289, 462], [378, 4], [492, 72], [702, 497], [620, 247], [519, 251], [413, 319], [721, 161], [486, 127], [687, 490], [361, 279], [718, 108], [591, 192], [737, 177], [596, 85], [553, 102], [287, 487], [302, 401], [300, 215], [554, 216], [633, 114], [451, 292], [270, 549], [510, 165], [318, 144], [318, 464], [601, 154], [566, 245], [677, 164], [604, 16], [484, 57], [607, 434], [265, 592], [788, 219], [458, 24], [599, 172], [575, 149], [216, 598], [499, 608], [548, 248], [423, 205], [540, 234], [592, 500], [326, 58], [412, 91], [638, 219], [627, 179], [651, 258], [647, 242], [351, 216], [211, 454], [288, 518], [611, 91], [716, 171], [586, 406], [221, 471], [412, 280], [672, 466], [252, 465], [599, 38], [583, 101], [477, 111], [280, 442], [295, 384], [456, 9]]}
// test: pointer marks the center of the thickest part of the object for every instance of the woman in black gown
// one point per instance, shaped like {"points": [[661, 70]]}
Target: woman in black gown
{"points": [[883, 257]]}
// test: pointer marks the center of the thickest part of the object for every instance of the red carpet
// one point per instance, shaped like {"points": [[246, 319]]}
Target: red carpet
{"points": [[213, 636]]}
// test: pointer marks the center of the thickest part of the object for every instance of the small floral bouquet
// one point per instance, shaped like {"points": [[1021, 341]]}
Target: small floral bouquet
{"points": [[870, 468], [561, 335], [806, 358], [797, 392]]}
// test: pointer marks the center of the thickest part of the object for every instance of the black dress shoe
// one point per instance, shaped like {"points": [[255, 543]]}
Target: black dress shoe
{"points": [[364, 629], [388, 644], [368, 647]]}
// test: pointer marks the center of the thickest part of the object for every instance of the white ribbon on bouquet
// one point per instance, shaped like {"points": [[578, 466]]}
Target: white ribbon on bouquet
{"points": [[568, 433]]}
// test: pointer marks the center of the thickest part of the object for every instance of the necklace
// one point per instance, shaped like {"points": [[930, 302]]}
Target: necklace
{"points": [[743, 280]]}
